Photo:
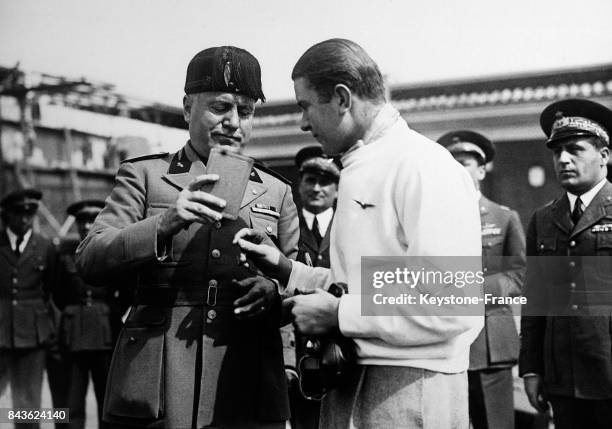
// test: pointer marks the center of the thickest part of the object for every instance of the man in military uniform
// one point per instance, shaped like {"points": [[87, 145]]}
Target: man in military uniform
{"points": [[495, 350], [201, 347], [87, 326], [566, 340], [318, 190], [27, 272]]}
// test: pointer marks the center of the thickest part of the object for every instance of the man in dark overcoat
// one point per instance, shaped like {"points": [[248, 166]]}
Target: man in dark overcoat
{"points": [[202, 346], [566, 339]]}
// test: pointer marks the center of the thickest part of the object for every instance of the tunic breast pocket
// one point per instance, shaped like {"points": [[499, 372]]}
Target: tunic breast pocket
{"points": [[267, 223], [547, 246]]}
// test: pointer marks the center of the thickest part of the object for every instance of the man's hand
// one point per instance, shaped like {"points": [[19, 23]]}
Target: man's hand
{"points": [[192, 205], [259, 247], [316, 313], [262, 292], [535, 392]]}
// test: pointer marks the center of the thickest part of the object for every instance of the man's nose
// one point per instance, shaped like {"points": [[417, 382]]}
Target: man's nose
{"points": [[564, 157], [304, 124], [231, 119]]}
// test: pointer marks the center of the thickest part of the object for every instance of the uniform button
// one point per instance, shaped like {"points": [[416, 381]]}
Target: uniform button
{"points": [[572, 243], [14, 302], [254, 191], [88, 293], [14, 280], [217, 224], [489, 244], [574, 307], [212, 314], [572, 264], [215, 253], [14, 290], [541, 246], [485, 269], [88, 304], [269, 229], [132, 340], [573, 285], [320, 257], [213, 283]]}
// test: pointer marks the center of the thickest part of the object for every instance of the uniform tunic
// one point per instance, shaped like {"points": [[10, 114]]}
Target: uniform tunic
{"points": [[26, 322], [565, 337], [496, 348], [183, 359]]}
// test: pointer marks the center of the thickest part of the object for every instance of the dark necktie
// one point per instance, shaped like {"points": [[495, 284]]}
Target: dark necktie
{"points": [[17, 245], [315, 231], [577, 212]]}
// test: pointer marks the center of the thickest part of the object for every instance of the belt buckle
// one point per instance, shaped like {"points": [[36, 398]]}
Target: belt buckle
{"points": [[211, 296]]}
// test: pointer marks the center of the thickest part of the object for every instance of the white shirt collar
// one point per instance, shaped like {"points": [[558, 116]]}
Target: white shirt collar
{"points": [[324, 219], [13, 239], [587, 197]]}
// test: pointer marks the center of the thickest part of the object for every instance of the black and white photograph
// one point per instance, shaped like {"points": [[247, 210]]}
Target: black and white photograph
{"points": [[333, 214]]}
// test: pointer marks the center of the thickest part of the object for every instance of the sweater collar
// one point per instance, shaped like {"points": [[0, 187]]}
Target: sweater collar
{"points": [[385, 119]]}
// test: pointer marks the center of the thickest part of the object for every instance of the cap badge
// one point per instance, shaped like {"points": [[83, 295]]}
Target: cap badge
{"points": [[227, 73], [578, 123]]}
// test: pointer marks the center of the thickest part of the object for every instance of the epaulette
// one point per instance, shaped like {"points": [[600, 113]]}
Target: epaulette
{"points": [[265, 169], [504, 207], [145, 157]]}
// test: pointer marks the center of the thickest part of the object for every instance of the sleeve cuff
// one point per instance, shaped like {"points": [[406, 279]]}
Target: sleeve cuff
{"points": [[141, 240], [350, 320]]}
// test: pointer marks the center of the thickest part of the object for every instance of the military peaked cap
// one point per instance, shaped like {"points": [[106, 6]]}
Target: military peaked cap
{"points": [[576, 117], [465, 141]]}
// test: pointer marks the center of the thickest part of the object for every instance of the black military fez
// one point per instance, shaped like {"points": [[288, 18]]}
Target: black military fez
{"points": [[85, 209], [224, 69], [576, 117], [22, 200], [471, 142]]}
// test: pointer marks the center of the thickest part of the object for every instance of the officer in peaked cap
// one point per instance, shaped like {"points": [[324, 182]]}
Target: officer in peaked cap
{"points": [[204, 333], [89, 321], [318, 191], [495, 350], [27, 277], [565, 341]]}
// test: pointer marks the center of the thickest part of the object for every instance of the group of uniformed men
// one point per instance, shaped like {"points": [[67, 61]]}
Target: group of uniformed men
{"points": [[201, 345]]}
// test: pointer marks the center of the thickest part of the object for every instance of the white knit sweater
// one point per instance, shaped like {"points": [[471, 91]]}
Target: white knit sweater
{"points": [[423, 205]]}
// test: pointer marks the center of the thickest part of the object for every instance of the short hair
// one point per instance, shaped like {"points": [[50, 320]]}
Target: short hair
{"points": [[340, 61]]}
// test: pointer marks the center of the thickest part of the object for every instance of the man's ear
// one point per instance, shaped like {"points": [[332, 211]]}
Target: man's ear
{"points": [[187, 107], [481, 172], [344, 97], [605, 155]]}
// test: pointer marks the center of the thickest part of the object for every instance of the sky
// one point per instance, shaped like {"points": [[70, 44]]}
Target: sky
{"points": [[143, 46]]}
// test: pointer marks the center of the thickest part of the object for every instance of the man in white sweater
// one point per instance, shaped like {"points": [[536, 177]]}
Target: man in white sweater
{"points": [[400, 194]]}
